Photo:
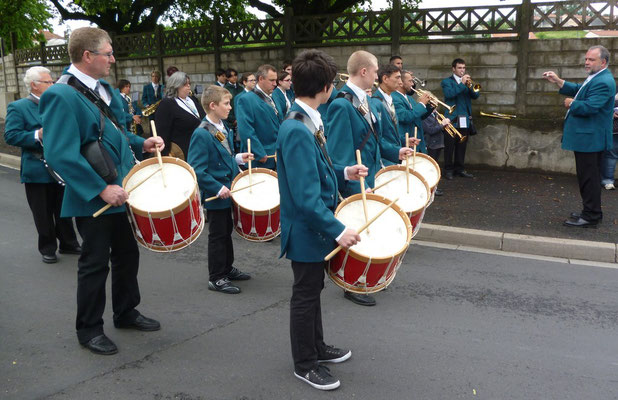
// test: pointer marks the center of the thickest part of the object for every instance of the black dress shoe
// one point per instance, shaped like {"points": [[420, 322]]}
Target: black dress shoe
{"points": [[101, 345], [140, 323], [71, 250], [580, 223], [50, 259], [360, 299], [439, 192], [237, 275], [448, 175], [575, 215], [464, 174]]}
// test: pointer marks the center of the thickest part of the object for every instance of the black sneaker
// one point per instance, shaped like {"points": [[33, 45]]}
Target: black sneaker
{"points": [[223, 285], [237, 275], [334, 355], [319, 378]]}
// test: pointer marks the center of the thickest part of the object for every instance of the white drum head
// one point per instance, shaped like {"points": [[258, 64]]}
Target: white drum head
{"points": [[260, 197], [426, 168], [152, 196], [410, 202]]}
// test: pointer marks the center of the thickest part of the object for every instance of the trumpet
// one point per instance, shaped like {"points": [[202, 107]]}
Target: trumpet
{"points": [[433, 100], [418, 81], [498, 115], [344, 78], [476, 87], [149, 110], [450, 129]]}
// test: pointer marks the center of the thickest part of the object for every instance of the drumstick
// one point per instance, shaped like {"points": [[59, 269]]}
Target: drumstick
{"points": [[249, 151], [407, 166], [383, 184], [273, 156], [107, 206], [362, 185], [414, 155], [154, 134], [366, 226], [235, 190]]}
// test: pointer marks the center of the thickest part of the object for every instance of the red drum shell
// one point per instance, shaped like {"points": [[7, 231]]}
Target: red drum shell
{"points": [[436, 167]]}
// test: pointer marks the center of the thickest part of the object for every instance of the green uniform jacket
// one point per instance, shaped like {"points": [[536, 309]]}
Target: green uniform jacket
{"points": [[22, 119], [411, 114], [149, 96], [70, 121], [459, 95]]}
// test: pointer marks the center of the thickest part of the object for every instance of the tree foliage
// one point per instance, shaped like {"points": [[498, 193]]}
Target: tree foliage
{"points": [[317, 7], [24, 17]]}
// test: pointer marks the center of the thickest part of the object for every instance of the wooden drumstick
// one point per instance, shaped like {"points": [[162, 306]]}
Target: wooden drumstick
{"points": [[235, 190], [362, 185], [250, 179], [414, 154], [366, 226], [107, 206], [407, 165], [154, 134], [273, 156], [383, 184]]}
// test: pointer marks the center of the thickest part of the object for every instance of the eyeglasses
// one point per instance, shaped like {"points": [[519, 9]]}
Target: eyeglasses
{"points": [[251, 80], [108, 55], [287, 80], [48, 82]]}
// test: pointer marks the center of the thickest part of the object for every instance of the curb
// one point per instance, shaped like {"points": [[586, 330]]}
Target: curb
{"points": [[507, 242]]}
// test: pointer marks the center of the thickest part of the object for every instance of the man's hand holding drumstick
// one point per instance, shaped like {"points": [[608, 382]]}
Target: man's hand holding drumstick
{"points": [[225, 192], [350, 237]]}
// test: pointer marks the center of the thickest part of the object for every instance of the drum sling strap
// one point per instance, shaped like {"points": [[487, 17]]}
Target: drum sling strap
{"points": [[366, 114], [390, 112], [318, 136], [217, 134], [269, 101]]}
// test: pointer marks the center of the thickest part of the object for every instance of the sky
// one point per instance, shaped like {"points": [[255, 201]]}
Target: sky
{"points": [[59, 28]]}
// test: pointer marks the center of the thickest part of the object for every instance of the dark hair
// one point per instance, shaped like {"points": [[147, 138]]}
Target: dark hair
{"points": [[245, 77], [388, 70], [313, 70], [458, 61], [263, 71], [170, 70], [219, 72], [122, 83], [393, 58], [230, 71], [286, 64], [281, 75]]}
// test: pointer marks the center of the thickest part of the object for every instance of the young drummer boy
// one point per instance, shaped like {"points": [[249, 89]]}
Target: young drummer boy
{"points": [[211, 154], [308, 184]]}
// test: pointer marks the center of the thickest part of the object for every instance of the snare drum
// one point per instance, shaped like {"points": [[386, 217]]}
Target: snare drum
{"points": [[370, 265], [256, 209], [413, 203], [428, 168], [164, 218]]}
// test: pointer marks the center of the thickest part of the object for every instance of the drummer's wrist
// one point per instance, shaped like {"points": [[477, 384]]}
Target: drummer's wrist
{"points": [[239, 160], [341, 234], [347, 178], [221, 190]]}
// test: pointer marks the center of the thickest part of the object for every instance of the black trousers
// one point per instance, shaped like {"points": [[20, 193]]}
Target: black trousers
{"points": [[455, 152], [306, 332], [45, 201], [220, 247], [588, 167], [108, 237], [434, 153]]}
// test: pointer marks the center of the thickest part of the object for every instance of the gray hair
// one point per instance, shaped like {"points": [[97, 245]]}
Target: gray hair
{"points": [[34, 74], [604, 52], [175, 82]]}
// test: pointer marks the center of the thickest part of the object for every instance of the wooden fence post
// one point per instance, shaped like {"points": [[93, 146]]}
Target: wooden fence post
{"points": [[216, 39], [523, 48], [288, 33], [396, 18], [43, 53], [14, 51], [160, 51]]}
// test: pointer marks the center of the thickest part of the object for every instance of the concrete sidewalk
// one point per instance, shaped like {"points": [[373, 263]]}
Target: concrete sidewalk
{"points": [[590, 250]]}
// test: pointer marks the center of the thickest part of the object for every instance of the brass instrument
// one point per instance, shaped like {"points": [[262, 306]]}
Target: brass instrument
{"points": [[149, 110], [476, 87], [498, 115], [418, 81], [433, 100], [450, 129], [133, 123]]}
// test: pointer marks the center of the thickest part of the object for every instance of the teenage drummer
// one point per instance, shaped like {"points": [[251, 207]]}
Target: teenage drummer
{"points": [[308, 184], [211, 154]]}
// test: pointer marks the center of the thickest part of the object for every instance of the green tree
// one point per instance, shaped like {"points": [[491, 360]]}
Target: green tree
{"points": [[317, 7], [24, 17]]}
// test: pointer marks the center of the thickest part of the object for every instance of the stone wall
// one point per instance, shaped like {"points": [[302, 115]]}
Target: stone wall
{"points": [[531, 141]]}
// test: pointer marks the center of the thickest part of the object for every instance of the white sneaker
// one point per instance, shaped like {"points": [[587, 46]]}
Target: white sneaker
{"points": [[610, 186]]}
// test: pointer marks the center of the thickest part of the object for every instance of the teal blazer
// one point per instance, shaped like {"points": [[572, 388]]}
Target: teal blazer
{"points": [[411, 114], [280, 103], [390, 132], [308, 192], [323, 108], [213, 165], [235, 91], [257, 121], [67, 131], [149, 96], [345, 130], [588, 124], [459, 95], [22, 119]]}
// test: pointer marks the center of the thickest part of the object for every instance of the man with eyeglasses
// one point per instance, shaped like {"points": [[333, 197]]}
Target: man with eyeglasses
{"points": [[258, 117], [44, 194], [153, 91], [77, 111]]}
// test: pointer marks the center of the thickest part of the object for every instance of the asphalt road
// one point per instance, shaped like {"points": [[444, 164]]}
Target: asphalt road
{"points": [[453, 325]]}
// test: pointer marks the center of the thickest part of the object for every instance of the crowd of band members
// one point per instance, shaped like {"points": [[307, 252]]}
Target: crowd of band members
{"points": [[353, 117]]}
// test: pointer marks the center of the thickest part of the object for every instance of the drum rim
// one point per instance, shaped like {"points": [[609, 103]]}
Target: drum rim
{"points": [[261, 171], [435, 165], [416, 174], [385, 201], [165, 213]]}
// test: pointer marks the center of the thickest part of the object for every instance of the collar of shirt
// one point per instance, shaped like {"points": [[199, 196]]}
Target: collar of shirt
{"points": [[457, 78], [219, 126], [85, 79], [247, 90], [589, 78], [259, 89], [313, 114], [188, 106], [387, 97], [35, 96], [360, 93], [155, 85]]}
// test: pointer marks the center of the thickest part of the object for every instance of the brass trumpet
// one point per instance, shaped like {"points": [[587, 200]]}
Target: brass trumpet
{"points": [[476, 87], [149, 110], [433, 100], [498, 115], [418, 81], [450, 129]]}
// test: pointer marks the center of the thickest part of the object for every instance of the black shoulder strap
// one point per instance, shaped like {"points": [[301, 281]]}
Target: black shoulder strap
{"points": [[350, 97], [214, 132]]}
